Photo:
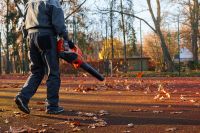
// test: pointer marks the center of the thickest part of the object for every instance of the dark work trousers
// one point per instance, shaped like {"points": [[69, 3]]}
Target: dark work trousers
{"points": [[43, 56]]}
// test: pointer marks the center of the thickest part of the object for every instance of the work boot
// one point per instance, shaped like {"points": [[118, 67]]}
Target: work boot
{"points": [[56, 110], [22, 105]]}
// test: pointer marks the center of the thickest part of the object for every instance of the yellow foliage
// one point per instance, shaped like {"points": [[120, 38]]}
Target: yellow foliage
{"points": [[106, 50]]}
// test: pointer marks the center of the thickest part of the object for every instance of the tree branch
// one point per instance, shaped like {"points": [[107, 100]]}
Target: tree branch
{"points": [[132, 15], [75, 10], [20, 11]]}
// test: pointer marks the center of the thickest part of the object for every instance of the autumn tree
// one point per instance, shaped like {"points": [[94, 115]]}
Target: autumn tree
{"points": [[157, 24], [153, 49], [106, 53], [190, 11]]}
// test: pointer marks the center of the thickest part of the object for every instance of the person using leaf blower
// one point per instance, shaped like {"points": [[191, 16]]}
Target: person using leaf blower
{"points": [[43, 23]]}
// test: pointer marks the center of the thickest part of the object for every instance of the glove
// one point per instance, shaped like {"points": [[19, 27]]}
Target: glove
{"points": [[66, 46], [71, 44]]}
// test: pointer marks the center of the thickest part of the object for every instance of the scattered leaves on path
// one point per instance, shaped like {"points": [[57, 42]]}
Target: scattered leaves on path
{"points": [[24, 129], [162, 93]]}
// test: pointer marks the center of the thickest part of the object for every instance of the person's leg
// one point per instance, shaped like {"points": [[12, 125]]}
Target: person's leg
{"points": [[35, 78], [53, 82]]}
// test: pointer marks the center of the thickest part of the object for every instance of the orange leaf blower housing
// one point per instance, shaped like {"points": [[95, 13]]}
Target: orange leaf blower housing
{"points": [[74, 57]]}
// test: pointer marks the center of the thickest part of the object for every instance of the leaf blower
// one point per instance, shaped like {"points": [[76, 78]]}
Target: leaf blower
{"points": [[74, 57]]}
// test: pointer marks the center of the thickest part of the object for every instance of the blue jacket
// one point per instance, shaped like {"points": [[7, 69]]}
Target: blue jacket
{"points": [[45, 16]]}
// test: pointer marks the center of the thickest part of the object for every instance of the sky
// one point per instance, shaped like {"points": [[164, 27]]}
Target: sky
{"points": [[140, 9]]}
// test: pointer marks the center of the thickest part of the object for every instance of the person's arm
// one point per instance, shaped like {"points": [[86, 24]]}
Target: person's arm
{"points": [[58, 20]]}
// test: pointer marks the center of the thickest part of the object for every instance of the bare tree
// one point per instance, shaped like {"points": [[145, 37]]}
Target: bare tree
{"points": [[157, 24]]}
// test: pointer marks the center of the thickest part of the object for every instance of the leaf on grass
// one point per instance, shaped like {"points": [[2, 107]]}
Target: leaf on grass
{"points": [[176, 112], [89, 114], [74, 124], [76, 129], [2, 110], [24, 129], [170, 129], [130, 125], [169, 106], [139, 75], [182, 97], [126, 131], [16, 113], [85, 75], [175, 91], [155, 106], [193, 101], [147, 90], [43, 131], [136, 110], [6, 121], [92, 126], [60, 123], [157, 111], [98, 124], [128, 88], [44, 125], [103, 112]]}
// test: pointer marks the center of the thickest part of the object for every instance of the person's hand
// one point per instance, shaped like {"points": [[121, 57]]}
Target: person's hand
{"points": [[71, 44], [66, 45]]}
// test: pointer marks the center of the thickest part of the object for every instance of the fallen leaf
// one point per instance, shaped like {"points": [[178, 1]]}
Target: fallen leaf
{"points": [[89, 114], [183, 98], [103, 112], [92, 126], [157, 112], [136, 110], [43, 131], [193, 101], [126, 131], [6, 121], [176, 112], [2, 110], [74, 123], [170, 129], [139, 75], [24, 129], [162, 93], [85, 75], [76, 129], [130, 125], [44, 125], [16, 113], [155, 106]]}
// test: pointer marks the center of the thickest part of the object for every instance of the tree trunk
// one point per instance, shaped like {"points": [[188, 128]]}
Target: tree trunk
{"points": [[194, 12], [157, 22], [166, 54], [124, 37], [7, 39]]}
